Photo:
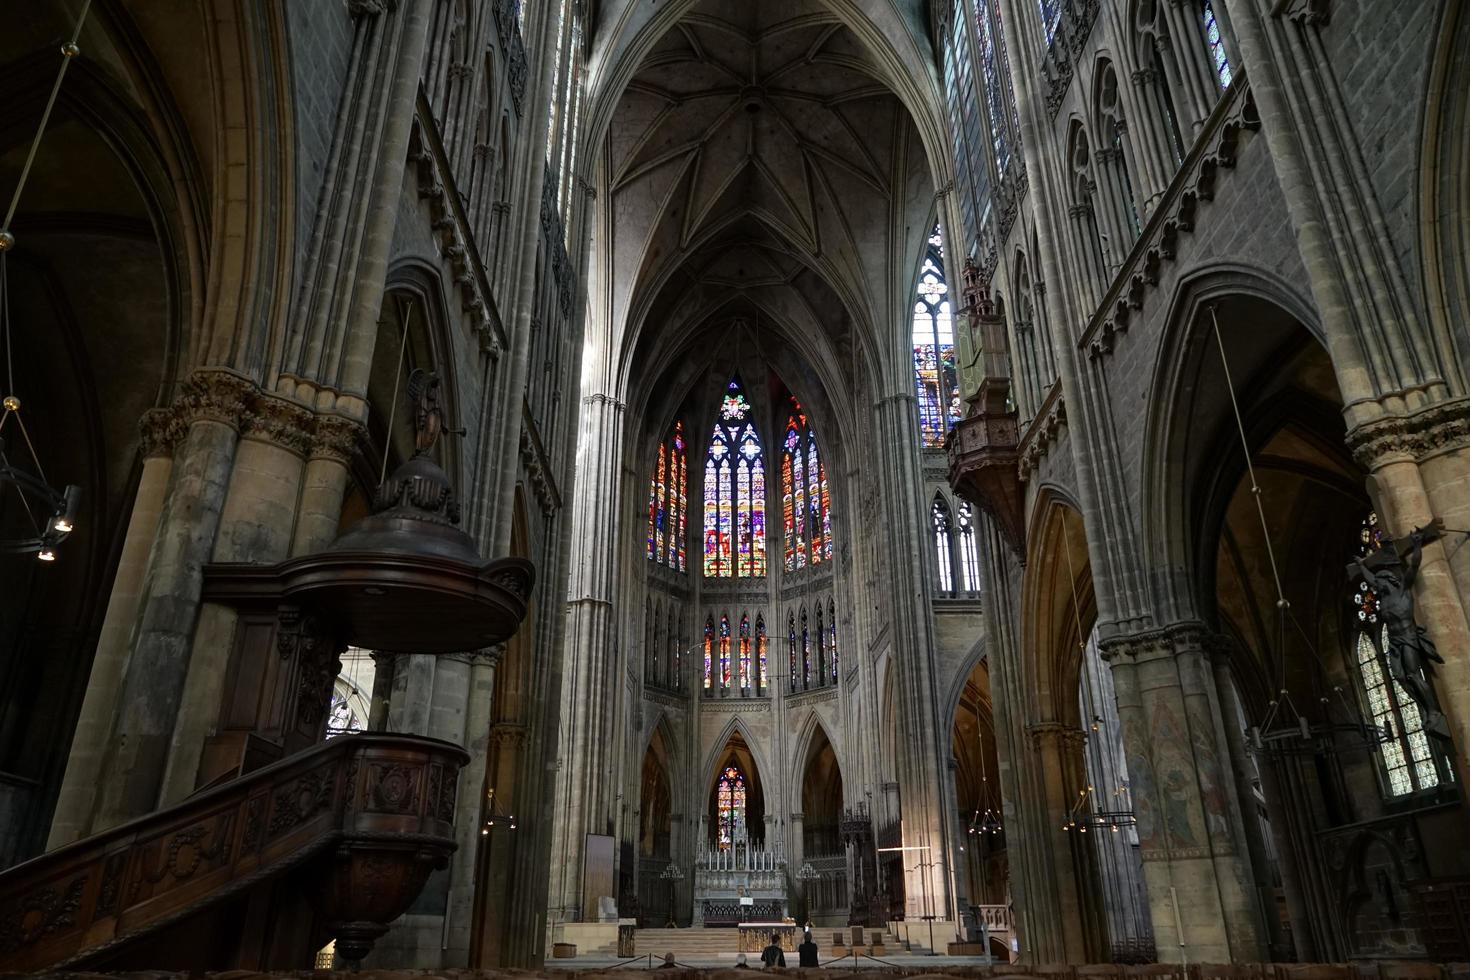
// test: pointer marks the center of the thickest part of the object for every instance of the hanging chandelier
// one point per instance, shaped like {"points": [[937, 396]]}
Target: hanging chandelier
{"points": [[50, 514]]}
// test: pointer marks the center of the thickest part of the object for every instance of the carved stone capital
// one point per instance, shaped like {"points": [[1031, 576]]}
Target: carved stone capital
{"points": [[215, 396], [1167, 641], [1428, 432], [337, 438], [270, 418], [161, 431], [508, 733]]}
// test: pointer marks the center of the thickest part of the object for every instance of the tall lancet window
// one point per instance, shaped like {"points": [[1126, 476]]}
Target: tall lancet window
{"points": [[760, 650], [668, 500], [806, 513], [709, 651], [969, 552], [832, 638], [1218, 59], [734, 493], [935, 380], [730, 796], [745, 674], [724, 651], [942, 548]]}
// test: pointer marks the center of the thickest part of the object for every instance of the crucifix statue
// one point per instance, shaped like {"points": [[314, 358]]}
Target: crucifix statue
{"points": [[1410, 651]]}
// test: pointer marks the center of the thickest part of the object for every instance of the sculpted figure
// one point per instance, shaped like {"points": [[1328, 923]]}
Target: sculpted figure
{"points": [[1410, 651]]}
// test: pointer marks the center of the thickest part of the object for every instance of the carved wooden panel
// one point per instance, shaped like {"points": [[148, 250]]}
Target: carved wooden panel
{"points": [[363, 796]]}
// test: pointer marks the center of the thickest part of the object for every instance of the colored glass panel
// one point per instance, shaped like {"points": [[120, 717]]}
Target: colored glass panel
{"points": [[936, 381], [724, 651], [832, 639], [1051, 16], [734, 516], [745, 674], [709, 650], [758, 517], [760, 651], [662, 489], [1223, 74], [814, 498], [788, 515], [730, 800]]}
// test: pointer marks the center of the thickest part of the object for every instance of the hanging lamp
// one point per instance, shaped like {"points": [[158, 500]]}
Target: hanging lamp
{"points": [[50, 514]]}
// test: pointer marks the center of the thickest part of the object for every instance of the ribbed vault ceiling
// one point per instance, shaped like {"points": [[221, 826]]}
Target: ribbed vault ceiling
{"points": [[756, 153]]}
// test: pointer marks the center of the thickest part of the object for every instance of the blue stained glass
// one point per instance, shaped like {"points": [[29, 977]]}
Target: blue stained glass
{"points": [[1217, 46]]}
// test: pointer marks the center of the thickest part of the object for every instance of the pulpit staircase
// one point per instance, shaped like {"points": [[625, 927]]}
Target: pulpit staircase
{"points": [[333, 842]]}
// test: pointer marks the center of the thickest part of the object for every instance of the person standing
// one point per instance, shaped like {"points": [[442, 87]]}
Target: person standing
{"points": [[772, 954]]}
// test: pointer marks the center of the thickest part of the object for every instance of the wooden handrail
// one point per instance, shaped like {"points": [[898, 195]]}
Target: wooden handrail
{"points": [[384, 798]]}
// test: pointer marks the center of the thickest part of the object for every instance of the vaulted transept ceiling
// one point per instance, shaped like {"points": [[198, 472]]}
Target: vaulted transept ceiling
{"points": [[758, 164]]}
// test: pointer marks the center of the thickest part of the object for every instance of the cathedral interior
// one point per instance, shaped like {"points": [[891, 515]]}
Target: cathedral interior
{"points": [[589, 480]]}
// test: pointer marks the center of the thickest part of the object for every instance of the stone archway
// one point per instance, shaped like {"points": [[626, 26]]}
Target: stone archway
{"points": [[826, 899]]}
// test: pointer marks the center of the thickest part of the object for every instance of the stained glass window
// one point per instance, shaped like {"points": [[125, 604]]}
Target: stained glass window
{"points": [[935, 380], [832, 639], [730, 800], [791, 648], [821, 664], [972, 170], [1051, 16], [806, 513], [760, 651], [806, 652], [969, 553], [1218, 58], [724, 651], [995, 93], [940, 516], [1408, 758], [745, 674], [734, 492], [667, 500], [709, 652]]}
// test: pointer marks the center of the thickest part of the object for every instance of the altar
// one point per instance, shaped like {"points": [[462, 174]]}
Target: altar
{"points": [[756, 936], [740, 885]]}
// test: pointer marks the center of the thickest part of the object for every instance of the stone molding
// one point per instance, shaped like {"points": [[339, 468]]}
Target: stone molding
{"points": [[1429, 432], [741, 705], [664, 698], [161, 431], [818, 696], [338, 438], [452, 233], [1043, 432], [508, 733], [280, 422], [538, 471], [1217, 148], [230, 399], [1166, 641], [371, 8]]}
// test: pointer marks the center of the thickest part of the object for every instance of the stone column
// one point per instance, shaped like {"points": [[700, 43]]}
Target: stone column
{"points": [[324, 484], [1242, 767], [90, 742], [383, 664], [584, 788], [412, 701], [1059, 753], [211, 406], [255, 526], [469, 805], [1190, 839]]}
